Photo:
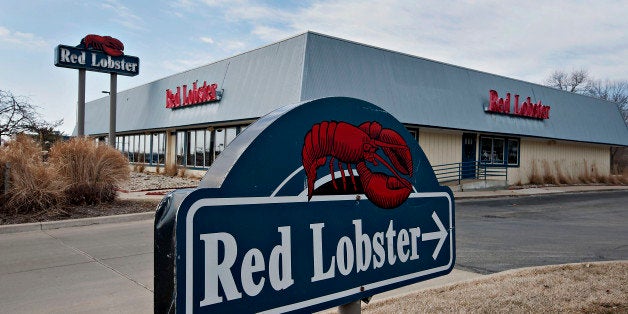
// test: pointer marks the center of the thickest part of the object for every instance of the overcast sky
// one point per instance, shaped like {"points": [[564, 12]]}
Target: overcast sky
{"points": [[523, 41]]}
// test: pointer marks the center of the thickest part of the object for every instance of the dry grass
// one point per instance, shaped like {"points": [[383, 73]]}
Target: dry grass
{"points": [[557, 175], [548, 176], [33, 186], [589, 288], [92, 171], [585, 176], [535, 176], [562, 177], [139, 168], [171, 170]]}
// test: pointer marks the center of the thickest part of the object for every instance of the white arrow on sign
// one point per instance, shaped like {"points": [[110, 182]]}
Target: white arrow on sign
{"points": [[441, 235]]}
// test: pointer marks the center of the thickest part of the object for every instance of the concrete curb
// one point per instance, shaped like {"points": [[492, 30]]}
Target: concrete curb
{"points": [[48, 225]]}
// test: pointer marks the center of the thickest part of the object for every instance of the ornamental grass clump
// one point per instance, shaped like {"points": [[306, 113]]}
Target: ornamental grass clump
{"points": [[32, 185], [92, 171]]}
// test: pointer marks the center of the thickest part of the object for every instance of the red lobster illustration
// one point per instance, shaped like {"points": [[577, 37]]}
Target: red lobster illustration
{"points": [[108, 44], [358, 145]]}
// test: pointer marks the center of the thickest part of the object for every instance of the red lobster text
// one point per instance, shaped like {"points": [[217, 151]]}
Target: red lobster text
{"points": [[358, 146]]}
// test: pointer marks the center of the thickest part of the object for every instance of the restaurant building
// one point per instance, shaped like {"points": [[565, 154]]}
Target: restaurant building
{"points": [[456, 114]]}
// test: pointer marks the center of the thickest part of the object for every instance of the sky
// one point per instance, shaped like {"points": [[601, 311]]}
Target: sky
{"points": [[525, 40]]}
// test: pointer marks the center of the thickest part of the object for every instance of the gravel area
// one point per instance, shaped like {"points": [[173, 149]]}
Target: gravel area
{"points": [[152, 181]]}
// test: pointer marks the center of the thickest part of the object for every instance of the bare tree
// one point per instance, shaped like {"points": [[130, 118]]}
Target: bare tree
{"points": [[574, 82], [615, 91], [18, 115]]}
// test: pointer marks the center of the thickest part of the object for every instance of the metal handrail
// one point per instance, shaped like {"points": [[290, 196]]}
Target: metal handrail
{"points": [[459, 171]]}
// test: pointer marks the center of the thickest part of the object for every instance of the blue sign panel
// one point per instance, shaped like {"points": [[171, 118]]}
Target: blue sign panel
{"points": [[314, 205], [96, 60]]}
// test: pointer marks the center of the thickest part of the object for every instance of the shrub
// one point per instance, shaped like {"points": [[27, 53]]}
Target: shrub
{"points": [[92, 171], [33, 187]]}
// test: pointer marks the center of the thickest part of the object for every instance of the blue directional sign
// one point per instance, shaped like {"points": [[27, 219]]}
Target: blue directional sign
{"points": [[315, 205]]}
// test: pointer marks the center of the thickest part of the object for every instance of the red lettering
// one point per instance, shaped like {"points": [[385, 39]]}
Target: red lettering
{"points": [[492, 101], [196, 95], [526, 109]]}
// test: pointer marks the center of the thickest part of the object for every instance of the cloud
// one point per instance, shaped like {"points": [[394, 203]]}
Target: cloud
{"points": [[208, 40], [124, 15], [16, 38], [525, 40]]}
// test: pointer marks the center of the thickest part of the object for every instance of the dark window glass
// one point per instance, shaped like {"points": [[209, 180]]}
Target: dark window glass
{"points": [[199, 148], [498, 151], [191, 144], [486, 150], [209, 144], [513, 152]]}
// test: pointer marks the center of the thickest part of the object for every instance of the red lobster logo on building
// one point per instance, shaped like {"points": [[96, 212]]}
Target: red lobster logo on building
{"points": [[108, 44], [358, 146]]}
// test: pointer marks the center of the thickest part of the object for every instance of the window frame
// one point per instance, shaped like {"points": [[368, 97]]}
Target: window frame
{"points": [[505, 151]]}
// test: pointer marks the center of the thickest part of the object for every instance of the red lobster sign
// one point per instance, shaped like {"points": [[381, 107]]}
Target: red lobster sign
{"points": [[108, 44], [358, 146]]}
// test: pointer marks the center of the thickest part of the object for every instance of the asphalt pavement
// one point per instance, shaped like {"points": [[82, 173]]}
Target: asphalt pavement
{"points": [[107, 267]]}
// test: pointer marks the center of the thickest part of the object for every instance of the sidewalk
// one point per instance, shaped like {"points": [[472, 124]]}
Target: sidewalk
{"points": [[537, 191]]}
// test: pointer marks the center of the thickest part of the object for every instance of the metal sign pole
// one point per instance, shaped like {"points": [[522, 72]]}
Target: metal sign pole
{"points": [[113, 91], [80, 124]]}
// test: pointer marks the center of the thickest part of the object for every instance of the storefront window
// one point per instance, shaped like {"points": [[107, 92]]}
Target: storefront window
{"points": [[193, 148], [486, 150], [209, 144], [181, 148], [199, 150], [191, 144], [158, 149], [513, 152], [219, 142], [495, 150], [230, 135], [415, 134], [498, 150]]}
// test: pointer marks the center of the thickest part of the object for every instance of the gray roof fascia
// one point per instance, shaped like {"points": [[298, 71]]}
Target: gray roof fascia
{"points": [[424, 92]]}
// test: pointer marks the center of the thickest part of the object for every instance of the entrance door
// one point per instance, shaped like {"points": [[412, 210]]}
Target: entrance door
{"points": [[468, 155]]}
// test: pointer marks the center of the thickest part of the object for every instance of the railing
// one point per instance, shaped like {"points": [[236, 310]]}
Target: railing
{"points": [[469, 170]]}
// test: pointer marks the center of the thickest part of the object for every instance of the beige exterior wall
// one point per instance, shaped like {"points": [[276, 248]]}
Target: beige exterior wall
{"points": [[441, 147], [552, 159]]}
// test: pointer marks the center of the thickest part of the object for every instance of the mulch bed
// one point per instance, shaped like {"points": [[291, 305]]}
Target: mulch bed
{"points": [[117, 207]]}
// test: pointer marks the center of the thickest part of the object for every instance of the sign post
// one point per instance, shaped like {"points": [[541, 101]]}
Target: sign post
{"points": [[100, 54], [315, 205], [80, 119]]}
